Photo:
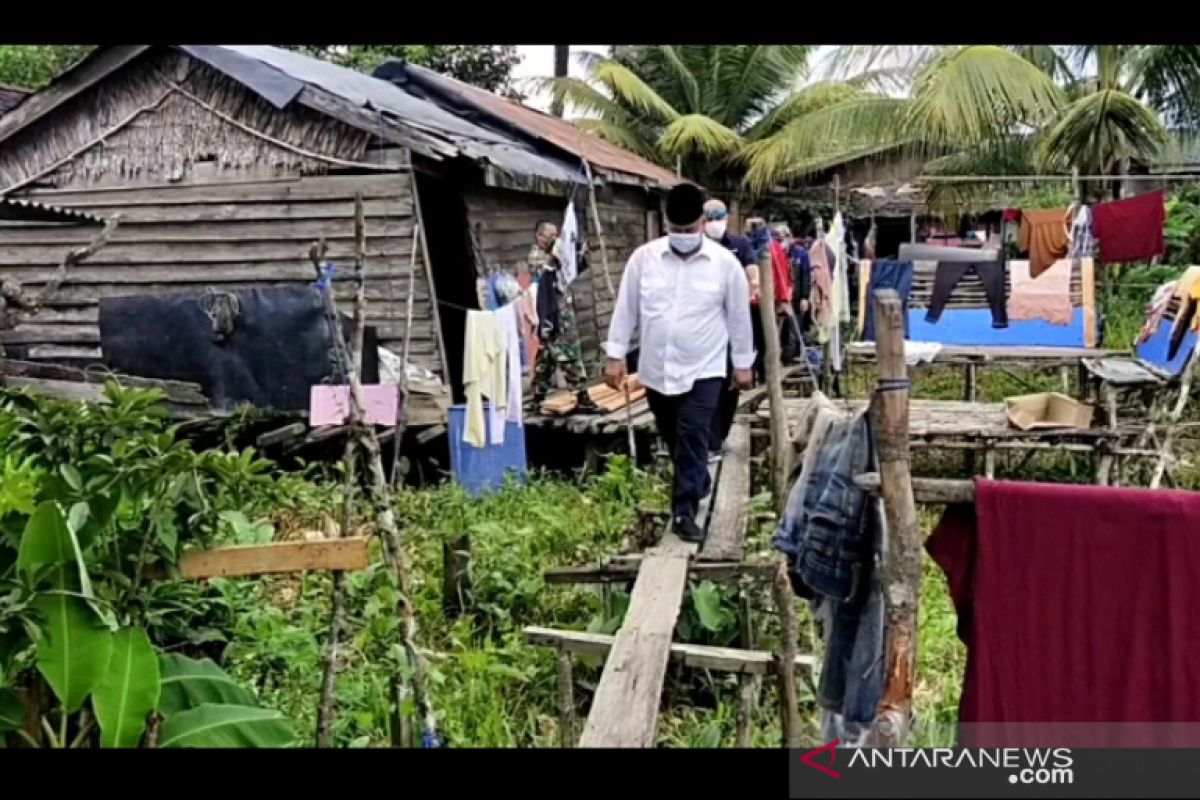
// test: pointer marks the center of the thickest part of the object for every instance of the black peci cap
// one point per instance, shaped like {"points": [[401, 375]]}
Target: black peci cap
{"points": [[685, 204]]}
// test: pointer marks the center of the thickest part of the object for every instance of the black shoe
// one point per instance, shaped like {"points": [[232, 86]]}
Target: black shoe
{"points": [[687, 529], [584, 404]]}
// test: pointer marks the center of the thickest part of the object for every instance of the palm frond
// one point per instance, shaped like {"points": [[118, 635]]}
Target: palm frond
{"points": [[1097, 132], [625, 85], [971, 94], [620, 135], [803, 101], [838, 130], [1167, 77], [760, 75], [1050, 59], [842, 63], [675, 65], [698, 134]]}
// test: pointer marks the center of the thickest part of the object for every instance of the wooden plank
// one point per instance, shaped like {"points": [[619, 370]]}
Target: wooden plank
{"points": [[134, 215], [625, 707], [340, 554], [322, 187], [179, 272], [238, 230], [727, 526], [722, 659], [179, 391], [624, 571], [196, 252]]}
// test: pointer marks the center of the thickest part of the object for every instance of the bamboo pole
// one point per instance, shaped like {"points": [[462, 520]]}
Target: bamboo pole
{"points": [[786, 675], [779, 437], [587, 169], [902, 549], [325, 709], [566, 699]]}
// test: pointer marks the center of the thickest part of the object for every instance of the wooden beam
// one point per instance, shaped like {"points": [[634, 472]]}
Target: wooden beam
{"points": [[727, 526], [779, 426], [623, 571], [902, 552], [267, 559], [625, 707], [932, 491], [721, 659]]}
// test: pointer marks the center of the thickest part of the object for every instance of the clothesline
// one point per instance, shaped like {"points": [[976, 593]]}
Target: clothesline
{"points": [[1067, 178]]}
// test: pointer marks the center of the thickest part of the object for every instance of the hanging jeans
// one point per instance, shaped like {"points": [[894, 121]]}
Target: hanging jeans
{"points": [[948, 275], [685, 423]]}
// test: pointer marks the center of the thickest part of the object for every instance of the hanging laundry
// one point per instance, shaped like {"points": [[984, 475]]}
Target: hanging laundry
{"points": [[822, 289], [547, 305], [1044, 235], [1187, 318], [1047, 297], [897, 275], [948, 275], [1131, 229], [506, 318], [485, 366], [830, 534], [1156, 309], [1083, 241], [566, 248], [1074, 604]]}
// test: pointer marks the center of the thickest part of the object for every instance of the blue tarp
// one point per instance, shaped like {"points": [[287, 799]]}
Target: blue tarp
{"points": [[483, 469], [1154, 350], [973, 327]]}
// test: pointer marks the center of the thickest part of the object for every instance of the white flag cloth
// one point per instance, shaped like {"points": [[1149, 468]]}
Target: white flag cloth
{"points": [[565, 248]]}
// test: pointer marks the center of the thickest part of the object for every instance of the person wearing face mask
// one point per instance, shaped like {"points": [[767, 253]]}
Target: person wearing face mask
{"points": [[716, 227], [688, 299]]}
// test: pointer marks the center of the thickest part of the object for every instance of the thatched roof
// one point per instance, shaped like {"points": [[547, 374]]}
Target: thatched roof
{"points": [[10, 96], [286, 79]]}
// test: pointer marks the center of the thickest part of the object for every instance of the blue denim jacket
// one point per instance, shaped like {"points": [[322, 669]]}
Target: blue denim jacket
{"points": [[830, 532], [824, 530]]}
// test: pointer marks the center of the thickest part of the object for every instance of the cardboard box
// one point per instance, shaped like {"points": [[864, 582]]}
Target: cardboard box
{"points": [[1047, 410]]}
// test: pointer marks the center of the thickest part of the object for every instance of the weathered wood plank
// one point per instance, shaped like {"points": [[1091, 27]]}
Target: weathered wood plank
{"points": [[727, 525], [325, 187], [179, 272], [624, 571], [722, 659], [391, 247], [625, 707], [228, 562], [235, 230], [388, 207]]}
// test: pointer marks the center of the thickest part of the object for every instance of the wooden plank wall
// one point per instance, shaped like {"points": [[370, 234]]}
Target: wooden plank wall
{"points": [[229, 234], [504, 221]]}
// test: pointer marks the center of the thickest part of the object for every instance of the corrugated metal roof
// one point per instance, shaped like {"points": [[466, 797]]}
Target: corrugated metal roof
{"points": [[13, 209], [280, 75], [562, 134]]}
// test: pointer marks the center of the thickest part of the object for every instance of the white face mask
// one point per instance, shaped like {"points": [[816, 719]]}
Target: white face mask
{"points": [[684, 242], [715, 228]]}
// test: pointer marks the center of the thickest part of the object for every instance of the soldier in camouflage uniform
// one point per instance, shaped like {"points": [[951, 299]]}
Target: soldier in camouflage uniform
{"points": [[562, 350]]}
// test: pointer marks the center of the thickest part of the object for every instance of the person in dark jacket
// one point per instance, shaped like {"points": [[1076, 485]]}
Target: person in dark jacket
{"points": [[716, 227]]}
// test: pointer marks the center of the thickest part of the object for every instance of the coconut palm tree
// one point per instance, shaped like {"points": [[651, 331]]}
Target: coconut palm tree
{"points": [[983, 109], [694, 107]]}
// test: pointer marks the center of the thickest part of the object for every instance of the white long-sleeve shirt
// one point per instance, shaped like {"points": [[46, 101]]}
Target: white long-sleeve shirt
{"points": [[688, 315]]}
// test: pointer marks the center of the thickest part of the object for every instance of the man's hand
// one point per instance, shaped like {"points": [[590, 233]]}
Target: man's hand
{"points": [[803, 306], [614, 373], [755, 291], [743, 379]]}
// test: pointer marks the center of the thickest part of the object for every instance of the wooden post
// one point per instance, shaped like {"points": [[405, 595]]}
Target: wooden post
{"points": [[969, 376], [749, 686], [566, 699], [325, 708], [1172, 420], [789, 711], [587, 169], [902, 560], [779, 435], [456, 575]]}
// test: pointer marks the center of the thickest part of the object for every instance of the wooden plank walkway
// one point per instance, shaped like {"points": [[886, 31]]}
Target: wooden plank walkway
{"points": [[727, 524], [625, 707]]}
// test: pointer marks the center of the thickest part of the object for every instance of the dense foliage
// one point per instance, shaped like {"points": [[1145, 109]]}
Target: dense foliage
{"points": [[484, 65], [32, 66]]}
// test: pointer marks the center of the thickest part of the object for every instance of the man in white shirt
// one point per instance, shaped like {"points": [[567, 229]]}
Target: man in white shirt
{"points": [[687, 298]]}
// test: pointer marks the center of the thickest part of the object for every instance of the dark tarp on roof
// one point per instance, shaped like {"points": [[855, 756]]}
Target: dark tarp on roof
{"points": [[280, 75]]}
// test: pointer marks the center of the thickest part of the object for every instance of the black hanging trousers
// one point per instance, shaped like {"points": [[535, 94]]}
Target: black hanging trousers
{"points": [[949, 273]]}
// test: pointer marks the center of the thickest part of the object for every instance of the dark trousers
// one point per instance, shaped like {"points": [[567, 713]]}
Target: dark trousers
{"points": [[727, 405], [685, 421], [949, 273]]}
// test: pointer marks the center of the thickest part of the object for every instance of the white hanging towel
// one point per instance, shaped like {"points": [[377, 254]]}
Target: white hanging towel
{"points": [[485, 368], [565, 248], [507, 409]]}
